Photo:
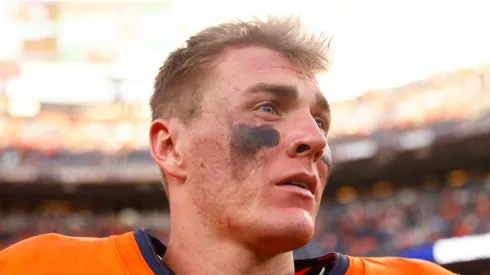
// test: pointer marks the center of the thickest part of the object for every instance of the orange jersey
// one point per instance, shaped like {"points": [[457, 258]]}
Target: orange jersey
{"points": [[140, 253]]}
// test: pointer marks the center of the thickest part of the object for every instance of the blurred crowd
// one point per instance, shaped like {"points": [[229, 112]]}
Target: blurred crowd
{"points": [[78, 134], [17, 226], [380, 223], [16, 157], [409, 217]]}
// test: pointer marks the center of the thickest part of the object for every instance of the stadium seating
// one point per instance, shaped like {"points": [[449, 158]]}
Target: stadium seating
{"points": [[369, 225]]}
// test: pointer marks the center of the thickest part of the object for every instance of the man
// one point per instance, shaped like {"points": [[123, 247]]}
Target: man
{"points": [[240, 133]]}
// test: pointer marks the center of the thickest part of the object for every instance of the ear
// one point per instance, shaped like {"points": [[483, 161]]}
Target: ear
{"points": [[164, 147]]}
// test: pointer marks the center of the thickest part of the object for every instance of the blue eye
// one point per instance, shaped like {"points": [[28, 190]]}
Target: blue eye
{"points": [[268, 109], [320, 124]]}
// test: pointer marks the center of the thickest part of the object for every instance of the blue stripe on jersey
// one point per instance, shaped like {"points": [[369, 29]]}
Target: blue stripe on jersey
{"points": [[151, 257]]}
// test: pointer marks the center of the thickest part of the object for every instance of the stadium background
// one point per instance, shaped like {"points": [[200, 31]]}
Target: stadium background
{"points": [[412, 162]]}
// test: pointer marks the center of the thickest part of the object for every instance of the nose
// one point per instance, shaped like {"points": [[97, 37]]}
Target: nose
{"points": [[308, 140]]}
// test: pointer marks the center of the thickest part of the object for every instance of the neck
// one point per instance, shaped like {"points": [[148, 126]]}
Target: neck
{"points": [[196, 251]]}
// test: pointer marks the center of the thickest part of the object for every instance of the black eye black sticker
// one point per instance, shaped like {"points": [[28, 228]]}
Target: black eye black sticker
{"points": [[327, 157], [247, 140]]}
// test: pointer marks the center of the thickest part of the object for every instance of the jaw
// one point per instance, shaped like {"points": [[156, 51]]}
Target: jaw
{"points": [[275, 244], [278, 231]]}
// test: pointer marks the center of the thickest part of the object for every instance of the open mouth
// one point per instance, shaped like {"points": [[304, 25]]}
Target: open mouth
{"points": [[297, 183], [305, 183]]}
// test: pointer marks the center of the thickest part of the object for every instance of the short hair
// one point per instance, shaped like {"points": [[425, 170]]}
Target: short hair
{"points": [[177, 85], [178, 88]]}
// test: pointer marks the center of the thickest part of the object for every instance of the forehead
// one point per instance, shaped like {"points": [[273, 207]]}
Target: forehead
{"points": [[244, 66], [255, 58]]}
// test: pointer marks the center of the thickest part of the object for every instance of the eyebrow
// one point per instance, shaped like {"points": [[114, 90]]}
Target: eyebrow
{"points": [[274, 89], [323, 103]]}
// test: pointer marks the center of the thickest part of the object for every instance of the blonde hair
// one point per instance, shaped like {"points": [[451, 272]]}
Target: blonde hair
{"points": [[178, 88]]}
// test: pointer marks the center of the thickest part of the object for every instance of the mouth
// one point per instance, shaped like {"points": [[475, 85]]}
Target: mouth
{"points": [[304, 183]]}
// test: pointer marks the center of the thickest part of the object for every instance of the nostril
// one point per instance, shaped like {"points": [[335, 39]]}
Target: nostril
{"points": [[302, 148]]}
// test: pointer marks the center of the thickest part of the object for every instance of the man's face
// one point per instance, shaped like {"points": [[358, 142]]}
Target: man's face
{"points": [[258, 161]]}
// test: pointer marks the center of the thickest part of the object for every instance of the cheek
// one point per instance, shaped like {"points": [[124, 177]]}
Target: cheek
{"points": [[208, 176], [323, 172], [207, 154]]}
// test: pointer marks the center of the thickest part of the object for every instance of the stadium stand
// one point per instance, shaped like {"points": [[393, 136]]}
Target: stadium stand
{"points": [[373, 224]]}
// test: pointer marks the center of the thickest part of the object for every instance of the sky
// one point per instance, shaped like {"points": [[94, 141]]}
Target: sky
{"points": [[376, 44]]}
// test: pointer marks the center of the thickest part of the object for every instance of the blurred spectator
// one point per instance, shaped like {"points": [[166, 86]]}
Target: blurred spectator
{"points": [[367, 226]]}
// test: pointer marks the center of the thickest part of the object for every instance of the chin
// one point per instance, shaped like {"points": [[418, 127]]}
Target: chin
{"points": [[283, 233]]}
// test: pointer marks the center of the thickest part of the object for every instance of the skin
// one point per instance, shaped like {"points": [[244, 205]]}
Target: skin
{"points": [[261, 121]]}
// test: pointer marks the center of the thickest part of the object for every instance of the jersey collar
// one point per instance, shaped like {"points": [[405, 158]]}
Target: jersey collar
{"points": [[152, 250]]}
